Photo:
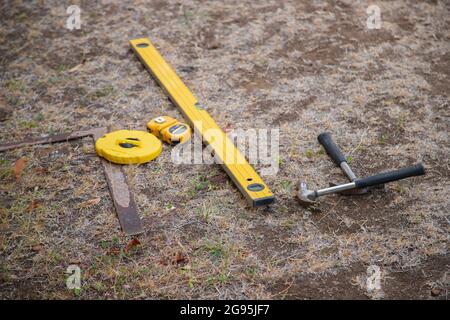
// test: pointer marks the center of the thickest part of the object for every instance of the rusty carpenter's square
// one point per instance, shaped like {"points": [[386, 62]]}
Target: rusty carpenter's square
{"points": [[116, 178]]}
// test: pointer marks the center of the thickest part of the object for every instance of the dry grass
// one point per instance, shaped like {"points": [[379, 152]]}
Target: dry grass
{"points": [[302, 66]]}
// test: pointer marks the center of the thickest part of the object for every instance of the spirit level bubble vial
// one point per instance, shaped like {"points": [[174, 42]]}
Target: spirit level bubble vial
{"points": [[241, 172]]}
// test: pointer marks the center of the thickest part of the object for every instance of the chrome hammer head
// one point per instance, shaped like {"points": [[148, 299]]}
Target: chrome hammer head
{"points": [[304, 195], [308, 196]]}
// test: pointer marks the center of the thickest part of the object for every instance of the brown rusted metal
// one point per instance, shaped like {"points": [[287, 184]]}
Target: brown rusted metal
{"points": [[122, 198], [120, 193], [49, 139], [115, 176]]}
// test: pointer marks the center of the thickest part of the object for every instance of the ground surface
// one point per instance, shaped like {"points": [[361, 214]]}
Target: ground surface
{"points": [[300, 66]]}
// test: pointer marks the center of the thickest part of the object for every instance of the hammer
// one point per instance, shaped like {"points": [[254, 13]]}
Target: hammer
{"points": [[308, 196], [338, 157]]}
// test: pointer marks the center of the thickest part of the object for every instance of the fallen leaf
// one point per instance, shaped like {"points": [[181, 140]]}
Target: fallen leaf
{"points": [[179, 258], [77, 66], [132, 243], [90, 203], [18, 167], [113, 251], [33, 205]]}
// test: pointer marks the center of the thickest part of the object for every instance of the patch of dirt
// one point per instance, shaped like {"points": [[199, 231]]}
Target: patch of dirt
{"points": [[268, 242], [440, 80], [323, 286], [293, 113], [427, 281], [352, 214], [430, 280], [318, 51]]}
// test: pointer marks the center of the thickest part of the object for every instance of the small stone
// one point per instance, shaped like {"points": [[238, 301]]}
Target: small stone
{"points": [[37, 247], [13, 277], [436, 292]]}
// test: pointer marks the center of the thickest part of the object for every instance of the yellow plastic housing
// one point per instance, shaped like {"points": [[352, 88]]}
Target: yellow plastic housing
{"points": [[169, 130], [128, 147]]}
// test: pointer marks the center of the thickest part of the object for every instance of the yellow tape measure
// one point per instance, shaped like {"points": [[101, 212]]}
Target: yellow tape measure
{"points": [[128, 146], [169, 130]]}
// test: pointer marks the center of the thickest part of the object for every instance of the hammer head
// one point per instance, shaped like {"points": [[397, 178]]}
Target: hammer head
{"points": [[304, 195]]}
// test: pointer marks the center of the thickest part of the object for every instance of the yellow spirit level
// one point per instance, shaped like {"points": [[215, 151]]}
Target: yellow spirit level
{"points": [[241, 172], [169, 130]]}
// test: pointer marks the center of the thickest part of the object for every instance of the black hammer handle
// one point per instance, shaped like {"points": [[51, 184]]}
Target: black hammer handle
{"points": [[331, 148], [385, 177]]}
